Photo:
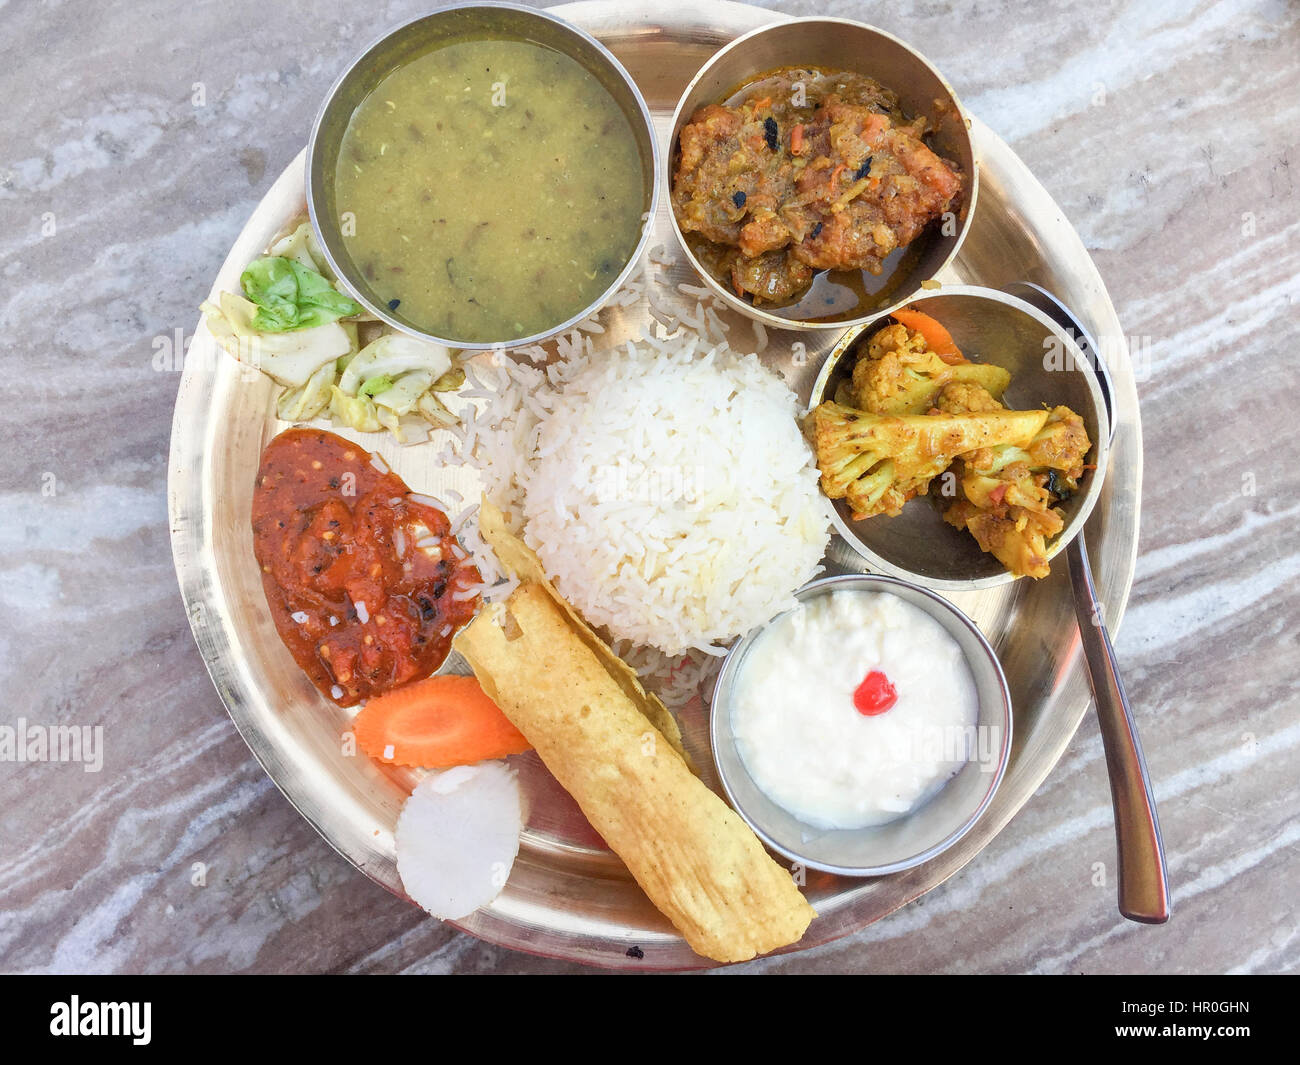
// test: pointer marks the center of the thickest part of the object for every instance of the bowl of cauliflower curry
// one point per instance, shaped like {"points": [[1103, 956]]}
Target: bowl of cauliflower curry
{"points": [[963, 439]]}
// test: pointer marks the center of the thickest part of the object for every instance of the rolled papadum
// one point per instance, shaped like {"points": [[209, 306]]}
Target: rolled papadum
{"points": [[694, 857], [523, 562]]}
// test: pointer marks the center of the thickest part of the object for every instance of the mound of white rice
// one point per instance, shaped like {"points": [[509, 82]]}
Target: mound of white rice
{"points": [[671, 496], [664, 482]]}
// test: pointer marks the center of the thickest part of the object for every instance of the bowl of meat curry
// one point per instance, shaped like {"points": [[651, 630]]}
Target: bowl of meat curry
{"points": [[820, 171]]}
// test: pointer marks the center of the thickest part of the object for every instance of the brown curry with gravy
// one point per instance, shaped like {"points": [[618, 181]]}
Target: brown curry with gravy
{"points": [[806, 171]]}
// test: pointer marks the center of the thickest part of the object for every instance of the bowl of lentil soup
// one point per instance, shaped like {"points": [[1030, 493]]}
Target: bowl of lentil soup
{"points": [[482, 175]]}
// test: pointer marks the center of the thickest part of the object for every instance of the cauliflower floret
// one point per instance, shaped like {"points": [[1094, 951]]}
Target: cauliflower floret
{"points": [[878, 463], [1009, 493], [900, 375], [965, 397], [1017, 537], [895, 338], [1061, 445]]}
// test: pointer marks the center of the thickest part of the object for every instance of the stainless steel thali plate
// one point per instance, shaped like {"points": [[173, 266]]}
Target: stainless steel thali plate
{"points": [[568, 897]]}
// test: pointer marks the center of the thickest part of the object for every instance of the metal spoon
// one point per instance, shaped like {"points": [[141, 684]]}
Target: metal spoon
{"points": [[1143, 883]]}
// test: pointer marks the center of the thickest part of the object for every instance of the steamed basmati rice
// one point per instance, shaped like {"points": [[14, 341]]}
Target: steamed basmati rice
{"points": [[664, 483], [671, 496]]}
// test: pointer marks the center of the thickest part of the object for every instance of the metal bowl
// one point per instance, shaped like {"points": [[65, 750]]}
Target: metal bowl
{"points": [[415, 38], [1047, 369], [915, 837], [840, 44]]}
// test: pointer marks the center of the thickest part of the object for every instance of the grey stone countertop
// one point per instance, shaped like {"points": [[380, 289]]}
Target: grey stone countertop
{"points": [[1165, 131]]}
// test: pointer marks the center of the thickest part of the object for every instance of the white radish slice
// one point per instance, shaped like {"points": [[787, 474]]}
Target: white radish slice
{"points": [[457, 838]]}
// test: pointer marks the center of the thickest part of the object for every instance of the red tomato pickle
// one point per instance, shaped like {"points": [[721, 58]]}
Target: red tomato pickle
{"points": [[875, 695], [359, 603]]}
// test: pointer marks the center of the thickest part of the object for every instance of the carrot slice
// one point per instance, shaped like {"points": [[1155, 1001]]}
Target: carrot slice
{"points": [[936, 336], [435, 723]]}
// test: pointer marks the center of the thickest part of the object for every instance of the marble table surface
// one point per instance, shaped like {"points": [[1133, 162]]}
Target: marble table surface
{"points": [[1164, 130]]}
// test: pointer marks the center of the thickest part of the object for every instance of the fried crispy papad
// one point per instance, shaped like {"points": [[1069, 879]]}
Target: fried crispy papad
{"points": [[519, 558], [694, 857]]}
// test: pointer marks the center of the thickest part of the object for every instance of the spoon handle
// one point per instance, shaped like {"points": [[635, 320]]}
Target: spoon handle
{"points": [[1143, 884]]}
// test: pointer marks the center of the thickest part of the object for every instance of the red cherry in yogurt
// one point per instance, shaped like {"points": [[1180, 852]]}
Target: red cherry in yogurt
{"points": [[875, 695]]}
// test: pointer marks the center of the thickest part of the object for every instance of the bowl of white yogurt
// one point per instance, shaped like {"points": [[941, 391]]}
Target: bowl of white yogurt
{"points": [[864, 731]]}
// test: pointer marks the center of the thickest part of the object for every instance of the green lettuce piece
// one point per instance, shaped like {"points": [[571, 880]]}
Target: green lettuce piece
{"points": [[405, 429], [301, 245], [450, 381], [289, 358], [375, 385], [356, 412], [392, 355], [303, 403], [290, 296], [435, 413], [404, 392]]}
